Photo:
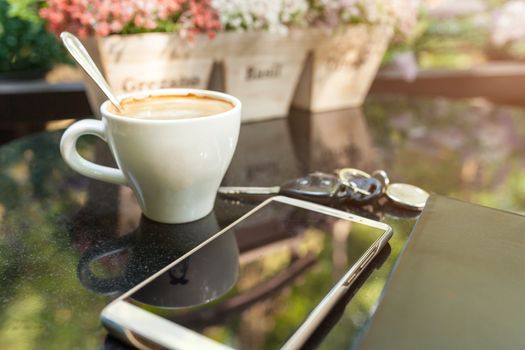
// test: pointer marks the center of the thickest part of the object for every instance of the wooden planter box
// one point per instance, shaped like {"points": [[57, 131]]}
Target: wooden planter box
{"points": [[340, 69], [149, 61], [261, 69]]}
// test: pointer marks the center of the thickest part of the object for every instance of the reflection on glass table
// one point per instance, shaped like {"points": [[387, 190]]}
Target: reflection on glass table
{"points": [[117, 264], [51, 217]]}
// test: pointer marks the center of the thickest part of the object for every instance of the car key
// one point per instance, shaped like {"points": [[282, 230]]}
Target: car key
{"points": [[316, 187]]}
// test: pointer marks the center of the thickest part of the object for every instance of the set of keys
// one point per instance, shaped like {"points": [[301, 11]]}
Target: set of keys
{"points": [[346, 185]]}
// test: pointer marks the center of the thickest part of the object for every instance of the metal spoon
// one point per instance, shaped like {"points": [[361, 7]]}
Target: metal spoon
{"points": [[80, 54]]}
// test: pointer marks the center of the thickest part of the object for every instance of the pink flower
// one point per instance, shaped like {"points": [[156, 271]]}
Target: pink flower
{"points": [[115, 26], [150, 24], [104, 17], [103, 29], [139, 21]]}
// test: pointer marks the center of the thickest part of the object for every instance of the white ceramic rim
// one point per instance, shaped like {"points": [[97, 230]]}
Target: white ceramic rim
{"points": [[174, 91]]}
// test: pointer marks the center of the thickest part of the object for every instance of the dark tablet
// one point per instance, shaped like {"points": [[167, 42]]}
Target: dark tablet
{"points": [[459, 284]]}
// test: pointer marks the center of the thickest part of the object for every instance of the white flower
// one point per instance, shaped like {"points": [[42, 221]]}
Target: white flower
{"points": [[293, 10], [371, 11], [403, 14], [271, 15], [278, 15], [508, 23], [406, 63], [454, 8], [337, 12]]}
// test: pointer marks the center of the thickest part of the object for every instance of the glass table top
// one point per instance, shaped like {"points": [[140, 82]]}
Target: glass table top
{"points": [[69, 245]]}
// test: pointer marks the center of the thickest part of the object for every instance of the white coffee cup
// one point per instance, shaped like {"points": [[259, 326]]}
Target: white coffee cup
{"points": [[174, 166]]}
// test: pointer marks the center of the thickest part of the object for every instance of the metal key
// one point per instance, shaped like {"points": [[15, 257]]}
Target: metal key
{"points": [[317, 187]]}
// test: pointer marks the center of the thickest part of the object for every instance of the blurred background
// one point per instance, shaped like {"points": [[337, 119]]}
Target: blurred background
{"points": [[470, 48]]}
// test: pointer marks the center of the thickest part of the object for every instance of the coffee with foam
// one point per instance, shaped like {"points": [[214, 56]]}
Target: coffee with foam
{"points": [[172, 107]]}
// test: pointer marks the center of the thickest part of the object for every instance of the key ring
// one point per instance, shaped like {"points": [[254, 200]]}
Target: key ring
{"points": [[382, 176], [364, 187], [347, 175]]}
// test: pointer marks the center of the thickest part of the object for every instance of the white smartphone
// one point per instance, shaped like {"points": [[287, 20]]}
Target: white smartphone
{"points": [[264, 282]]}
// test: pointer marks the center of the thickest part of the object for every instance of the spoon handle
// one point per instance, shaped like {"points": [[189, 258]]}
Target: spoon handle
{"points": [[80, 54]]}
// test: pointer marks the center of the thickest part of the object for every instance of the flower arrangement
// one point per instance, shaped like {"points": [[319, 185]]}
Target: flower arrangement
{"points": [[336, 13], [104, 17], [249, 62], [507, 29], [191, 17], [274, 16]]}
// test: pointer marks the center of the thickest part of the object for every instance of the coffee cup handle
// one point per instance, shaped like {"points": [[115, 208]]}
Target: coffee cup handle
{"points": [[68, 149]]}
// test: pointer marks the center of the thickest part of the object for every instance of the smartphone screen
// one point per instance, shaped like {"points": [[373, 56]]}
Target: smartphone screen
{"points": [[254, 285]]}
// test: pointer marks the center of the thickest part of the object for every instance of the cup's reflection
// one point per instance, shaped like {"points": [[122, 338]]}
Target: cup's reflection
{"points": [[117, 264], [202, 277]]}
